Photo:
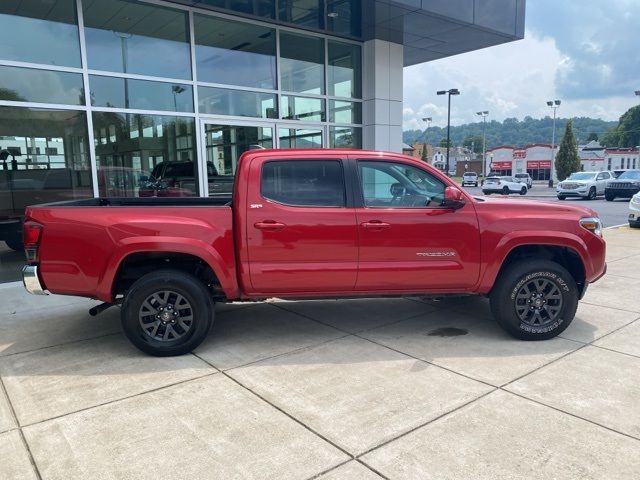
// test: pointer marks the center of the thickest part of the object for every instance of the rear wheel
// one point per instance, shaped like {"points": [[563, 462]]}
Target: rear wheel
{"points": [[592, 193], [561, 197], [534, 299], [609, 197], [523, 191], [505, 190], [167, 313], [14, 242]]}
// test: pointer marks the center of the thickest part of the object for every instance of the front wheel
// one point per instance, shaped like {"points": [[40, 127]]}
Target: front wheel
{"points": [[609, 198], [534, 299], [523, 191], [561, 197], [167, 313], [505, 190], [592, 194]]}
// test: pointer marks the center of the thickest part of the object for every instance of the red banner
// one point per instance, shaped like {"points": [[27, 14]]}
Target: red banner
{"points": [[539, 164], [500, 165], [519, 154]]}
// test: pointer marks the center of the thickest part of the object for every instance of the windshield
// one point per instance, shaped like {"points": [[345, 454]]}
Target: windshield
{"points": [[630, 175], [582, 176], [522, 175], [472, 174]]}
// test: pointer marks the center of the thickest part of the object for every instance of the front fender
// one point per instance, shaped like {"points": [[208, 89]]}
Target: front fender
{"points": [[191, 246]]}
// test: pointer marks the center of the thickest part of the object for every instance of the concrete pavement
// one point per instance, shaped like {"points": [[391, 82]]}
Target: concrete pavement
{"points": [[353, 389]]}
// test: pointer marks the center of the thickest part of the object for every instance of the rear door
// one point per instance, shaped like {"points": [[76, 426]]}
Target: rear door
{"points": [[301, 226], [601, 182], [408, 241]]}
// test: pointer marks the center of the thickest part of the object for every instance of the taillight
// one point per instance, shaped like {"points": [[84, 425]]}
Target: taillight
{"points": [[31, 233]]}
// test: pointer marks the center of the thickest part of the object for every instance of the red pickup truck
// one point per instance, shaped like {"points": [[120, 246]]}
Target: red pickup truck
{"points": [[309, 224]]}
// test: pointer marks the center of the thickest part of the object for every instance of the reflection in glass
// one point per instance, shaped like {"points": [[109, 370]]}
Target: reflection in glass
{"points": [[224, 145], [300, 138], [344, 17], [260, 8], [302, 108], [41, 86], [140, 94], [302, 63], [307, 13], [40, 32], [345, 112], [145, 155], [345, 137], [345, 70], [131, 37], [43, 158], [235, 53], [239, 103]]}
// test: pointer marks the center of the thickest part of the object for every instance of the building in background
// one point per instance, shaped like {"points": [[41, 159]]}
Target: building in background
{"points": [[119, 97], [534, 159]]}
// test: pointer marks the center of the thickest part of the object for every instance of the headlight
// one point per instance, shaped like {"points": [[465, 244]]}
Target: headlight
{"points": [[592, 224], [560, 185], [635, 199]]}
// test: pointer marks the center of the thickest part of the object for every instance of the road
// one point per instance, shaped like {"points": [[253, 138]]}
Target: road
{"points": [[611, 213]]}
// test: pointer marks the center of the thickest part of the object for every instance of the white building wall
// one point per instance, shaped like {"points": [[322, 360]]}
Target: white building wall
{"points": [[382, 64]]}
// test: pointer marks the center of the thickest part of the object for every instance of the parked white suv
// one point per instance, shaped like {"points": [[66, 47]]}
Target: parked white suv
{"points": [[634, 211], [583, 184], [470, 178], [524, 178]]}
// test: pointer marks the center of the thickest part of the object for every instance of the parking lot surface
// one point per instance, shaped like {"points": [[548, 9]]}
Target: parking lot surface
{"points": [[405, 388]]}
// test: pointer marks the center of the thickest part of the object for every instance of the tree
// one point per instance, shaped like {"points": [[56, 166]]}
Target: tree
{"points": [[475, 140], [424, 157], [593, 136], [567, 159], [443, 143]]}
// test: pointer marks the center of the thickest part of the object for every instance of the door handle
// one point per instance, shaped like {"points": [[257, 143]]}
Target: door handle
{"points": [[375, 225], [269, 225]]}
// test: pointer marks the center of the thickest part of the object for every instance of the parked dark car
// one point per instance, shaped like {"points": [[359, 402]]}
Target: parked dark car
{"points": [[625, 186], [178, 179]]}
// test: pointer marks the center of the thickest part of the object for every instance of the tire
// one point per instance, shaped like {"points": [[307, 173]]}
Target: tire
{"points": [[505, 190], [476, 184], [158, 290], [523, 191], [609, 198], [523, 279], [14, 243], [561, 197], [592, 194]]}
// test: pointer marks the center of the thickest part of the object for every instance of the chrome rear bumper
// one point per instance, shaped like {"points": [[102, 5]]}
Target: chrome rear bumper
{"points": [[31, 281]]}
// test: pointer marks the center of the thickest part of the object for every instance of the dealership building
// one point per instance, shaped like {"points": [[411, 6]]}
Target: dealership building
{"points": [[100, 97]]}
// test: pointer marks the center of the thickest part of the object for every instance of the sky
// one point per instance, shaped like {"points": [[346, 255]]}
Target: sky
{"points": [[584, 52]]}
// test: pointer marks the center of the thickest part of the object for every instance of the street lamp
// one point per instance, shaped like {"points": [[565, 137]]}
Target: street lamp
{"points": [[484, 114], [554, 104], [452, 91], [427, 120]]}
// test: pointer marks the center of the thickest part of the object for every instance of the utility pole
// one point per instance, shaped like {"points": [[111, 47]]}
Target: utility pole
{"points": [[484, 114], [427, 120], [554, 104], [452, 91]]}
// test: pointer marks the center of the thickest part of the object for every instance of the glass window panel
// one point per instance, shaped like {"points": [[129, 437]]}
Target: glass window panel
{"points": [[131, 37], [140, 94], [345, 70], [344, 17], [260, 8], [307, 13], [41, 86], [302, 63], [223, 101], [147, 155], [300, 138], [345, 137], [235, 53], [40, 32], [345, 112], [302, 108]]}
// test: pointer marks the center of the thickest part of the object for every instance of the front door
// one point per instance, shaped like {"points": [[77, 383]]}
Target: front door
{"points": [[408, 240], [301, 227]]}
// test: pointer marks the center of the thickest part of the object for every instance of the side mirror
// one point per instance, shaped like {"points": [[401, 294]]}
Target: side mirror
{"points": [[453, 198]]}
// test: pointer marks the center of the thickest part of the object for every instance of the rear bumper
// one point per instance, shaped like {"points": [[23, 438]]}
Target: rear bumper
{"points": [[31, 281]]}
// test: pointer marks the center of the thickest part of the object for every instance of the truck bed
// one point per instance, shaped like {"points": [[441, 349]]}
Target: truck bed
{"points": [[144, 202]]}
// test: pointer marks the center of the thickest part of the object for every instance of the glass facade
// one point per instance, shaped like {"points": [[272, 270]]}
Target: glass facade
{"points": [[137, 98]]}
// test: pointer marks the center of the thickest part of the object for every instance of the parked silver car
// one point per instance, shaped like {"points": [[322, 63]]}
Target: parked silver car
{"points": [[584, 184]]}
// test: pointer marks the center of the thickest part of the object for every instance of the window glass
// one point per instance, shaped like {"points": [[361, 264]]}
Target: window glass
{"points": [[40, 32], [344, 17], [300, 137], [131, 37], [302, 63], [346, 137], [308, 13], [260, 8], [345, 112], [42, 86], [304, 182], [345, 70], [238, 103], [140, 94], [387, 184], [302, 108], [235, 53], [43, 158], [145, 155]]}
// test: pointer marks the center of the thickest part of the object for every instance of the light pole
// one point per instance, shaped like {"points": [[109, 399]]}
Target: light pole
{"points": [[427, 120], [452, 91], [554, 104], [176, 90], [484, 114]]}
